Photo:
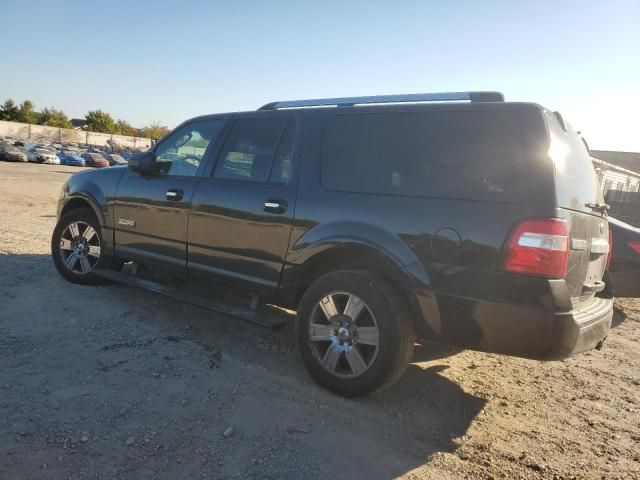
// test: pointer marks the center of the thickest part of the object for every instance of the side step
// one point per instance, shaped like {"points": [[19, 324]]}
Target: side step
{"points": [[260, 315]]}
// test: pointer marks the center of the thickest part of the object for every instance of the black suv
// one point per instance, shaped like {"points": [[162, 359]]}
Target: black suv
{"points": [[455, 217]]}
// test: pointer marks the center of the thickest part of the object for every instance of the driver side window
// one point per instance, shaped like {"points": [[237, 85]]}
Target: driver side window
{"points": [[181, 153]]}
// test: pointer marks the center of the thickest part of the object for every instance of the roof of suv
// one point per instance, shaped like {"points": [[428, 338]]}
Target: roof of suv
{"points": [[412, 102], [383, 99]]}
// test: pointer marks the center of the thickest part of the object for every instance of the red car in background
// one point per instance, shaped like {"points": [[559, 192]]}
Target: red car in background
{"points": [[94, 159], [624, 269]]}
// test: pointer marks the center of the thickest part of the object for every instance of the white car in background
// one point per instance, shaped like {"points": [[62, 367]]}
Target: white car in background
{"points": [[43, 155], [48, 155]]}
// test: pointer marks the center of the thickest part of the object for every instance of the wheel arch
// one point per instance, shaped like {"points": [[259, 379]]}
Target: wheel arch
{"points": [[412, 283], [81, 201]]}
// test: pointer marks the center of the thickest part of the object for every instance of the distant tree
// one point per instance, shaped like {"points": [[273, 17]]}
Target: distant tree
{"points": [[54, 118], [27, 112], [99, 121], [122, 127], [154, 131], [9, 111], [197, 142]]}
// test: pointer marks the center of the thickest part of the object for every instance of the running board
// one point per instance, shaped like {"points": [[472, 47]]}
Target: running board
{"points": [[259, 316]]}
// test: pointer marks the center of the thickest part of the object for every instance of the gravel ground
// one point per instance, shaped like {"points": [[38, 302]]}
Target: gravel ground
{"points": [[109, 382]]}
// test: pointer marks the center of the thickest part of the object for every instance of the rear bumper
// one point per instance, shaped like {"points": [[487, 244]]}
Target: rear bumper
{"points": [[581, 330], [524, 331]]}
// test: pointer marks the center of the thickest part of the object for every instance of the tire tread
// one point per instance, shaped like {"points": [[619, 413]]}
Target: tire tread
{"points": [[402, 324], [86, 215]]}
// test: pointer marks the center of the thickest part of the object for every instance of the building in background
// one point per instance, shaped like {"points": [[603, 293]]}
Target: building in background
{"points": [[619, 176], [78, 123], [628, 160]]}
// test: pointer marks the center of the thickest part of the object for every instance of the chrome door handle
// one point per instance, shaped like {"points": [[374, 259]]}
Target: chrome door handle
{"points": [[174, 194], [275, 206]]}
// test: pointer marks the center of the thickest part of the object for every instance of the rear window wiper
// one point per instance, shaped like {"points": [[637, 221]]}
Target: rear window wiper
{"points": [[598, 207]]}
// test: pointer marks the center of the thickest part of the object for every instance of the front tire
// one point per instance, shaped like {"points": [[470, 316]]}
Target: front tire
{"points": [[76, 247], [354, 332]]}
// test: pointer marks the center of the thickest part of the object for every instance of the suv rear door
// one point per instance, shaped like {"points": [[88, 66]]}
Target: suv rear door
{"points": [[242, 211], [579, 200]]}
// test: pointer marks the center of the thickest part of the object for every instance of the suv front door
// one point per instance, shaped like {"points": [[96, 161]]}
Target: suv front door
{"points": [[151, 211], [241, 213]]}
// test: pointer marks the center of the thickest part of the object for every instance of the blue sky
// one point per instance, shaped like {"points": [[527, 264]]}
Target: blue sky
{"points": [[167, 61]]}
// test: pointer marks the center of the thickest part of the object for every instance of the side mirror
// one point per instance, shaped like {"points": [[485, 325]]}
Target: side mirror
{"points": [[143, 162]]}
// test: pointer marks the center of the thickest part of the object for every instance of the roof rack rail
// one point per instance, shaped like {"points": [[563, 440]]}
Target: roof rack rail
{"points": [[411, 97]]}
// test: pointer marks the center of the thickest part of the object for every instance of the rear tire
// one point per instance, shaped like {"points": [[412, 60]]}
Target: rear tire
{"points": [[76, 247], [354, 332]]}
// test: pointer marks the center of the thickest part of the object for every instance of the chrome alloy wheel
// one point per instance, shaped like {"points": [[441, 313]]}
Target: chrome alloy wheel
{"points": [[80, 247], [343, 334]]}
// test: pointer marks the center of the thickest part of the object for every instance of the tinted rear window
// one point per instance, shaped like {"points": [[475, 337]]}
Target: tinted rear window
{"points": [[476, 155], [251, 148], [576, 179]]}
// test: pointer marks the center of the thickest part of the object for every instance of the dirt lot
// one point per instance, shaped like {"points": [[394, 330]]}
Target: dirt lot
{"points": [[109, 382]]}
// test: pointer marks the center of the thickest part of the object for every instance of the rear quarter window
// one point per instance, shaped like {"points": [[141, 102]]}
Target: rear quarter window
{"points": [[474, 155], [576, 179]]}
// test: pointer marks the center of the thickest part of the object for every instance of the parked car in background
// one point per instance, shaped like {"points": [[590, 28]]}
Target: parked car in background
{"points": [[35, 152], [94, 159], [47, 155], [32, 155], [454, 217], [71, 157], [3, 144], [624, 267], [11, 153], [115, 159]]}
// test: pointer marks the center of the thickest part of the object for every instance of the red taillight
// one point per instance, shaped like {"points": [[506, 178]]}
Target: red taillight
{"points": [[538, 246], [635, 246]]}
